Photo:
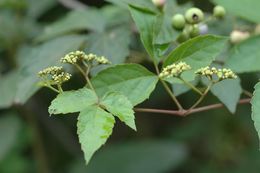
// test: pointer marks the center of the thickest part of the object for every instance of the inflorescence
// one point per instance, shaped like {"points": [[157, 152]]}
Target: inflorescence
{"points": [[80, 56], [221, 74], [57, 76], [174, 70], [54, 75]]}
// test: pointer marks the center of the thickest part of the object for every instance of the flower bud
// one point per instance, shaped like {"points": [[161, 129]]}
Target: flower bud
{"points": [[159, 3], [195, 31], [238, 36], [184, 36]]}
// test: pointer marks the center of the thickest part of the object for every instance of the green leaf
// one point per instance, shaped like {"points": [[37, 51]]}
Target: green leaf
{"points": [[163, 30], [73, 101], [8, 86], [197, 52], [22, 82], [10, 127], [78, 20], [247, 9], [144, 21], [155, 30], [131, 80], [244, 57], [100, 44], [142, 4], [37, 8], [94, 127], [221, 89], [180, 88], [256, 108], [139, 157], [45, 55], [118, 105]]}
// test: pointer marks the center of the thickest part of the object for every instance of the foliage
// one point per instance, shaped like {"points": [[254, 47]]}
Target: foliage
{"points": [[108, 63]]}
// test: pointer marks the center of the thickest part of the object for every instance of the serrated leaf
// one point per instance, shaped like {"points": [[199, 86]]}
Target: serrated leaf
{"points": [[244, 57], [247, 9], [256, 108], [144, 21], [155, 30], [94, 127], [132, 80], [118, 105], [197, 52], [73, 101], [231, 86], [78, 20]]}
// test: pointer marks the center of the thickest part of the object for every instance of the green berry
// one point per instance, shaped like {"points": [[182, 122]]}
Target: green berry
{"points": [[178, 21], [195, 31], [184, 36], [219, 11], [194, 15]]}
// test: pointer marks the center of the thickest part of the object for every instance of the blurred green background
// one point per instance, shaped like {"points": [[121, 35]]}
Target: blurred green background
{"points": [[35, 34]]}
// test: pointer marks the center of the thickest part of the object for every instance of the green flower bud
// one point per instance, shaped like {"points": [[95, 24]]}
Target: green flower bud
{"points": [[178, 21], [194, 15], [184, 36], [195, 31], [219, 11]]}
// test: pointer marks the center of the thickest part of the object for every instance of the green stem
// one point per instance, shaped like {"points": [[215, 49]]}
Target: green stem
{"points": [[80, 70], [200, 99], [168, 90], [60, 88], [191, 86], [52, 88], [247, 93], [171, 94]]}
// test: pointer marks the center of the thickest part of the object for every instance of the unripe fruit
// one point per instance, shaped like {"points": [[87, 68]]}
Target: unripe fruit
{"points": [[219, 11], [184, 36], [194, 15], [159, 3], [195, 31], [178, 21]]}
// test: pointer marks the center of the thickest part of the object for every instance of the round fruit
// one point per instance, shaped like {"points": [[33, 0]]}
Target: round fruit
{"points": [[178, 21], [195, 31], [184, 36], [194, 15], [219, 11]]}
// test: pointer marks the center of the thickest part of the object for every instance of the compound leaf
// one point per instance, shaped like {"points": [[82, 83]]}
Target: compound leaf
{"points": [[94, 127], [72, 101], [131, 80], [118, 105]]}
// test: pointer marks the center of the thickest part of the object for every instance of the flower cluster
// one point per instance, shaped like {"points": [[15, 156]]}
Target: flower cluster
{"points": [[54, 75], [220, 73], [80, 56], [174, 70]]}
